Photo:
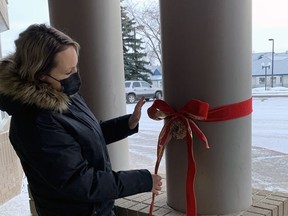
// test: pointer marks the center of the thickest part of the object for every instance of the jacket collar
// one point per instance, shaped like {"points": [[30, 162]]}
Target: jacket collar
{"points": [[28, 93]]}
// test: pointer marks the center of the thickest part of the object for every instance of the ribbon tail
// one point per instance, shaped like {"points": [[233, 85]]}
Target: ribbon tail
{"points": [[163, 139], [199, 133], [152, 205], [191, 170], [160, 154], [191, 208]]}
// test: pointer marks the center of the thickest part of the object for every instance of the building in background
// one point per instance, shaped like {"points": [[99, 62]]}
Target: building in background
{"points": [[262, 70], [156, 77]]}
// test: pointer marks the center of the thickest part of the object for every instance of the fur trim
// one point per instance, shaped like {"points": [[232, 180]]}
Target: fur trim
{"points": [[28, 92]]}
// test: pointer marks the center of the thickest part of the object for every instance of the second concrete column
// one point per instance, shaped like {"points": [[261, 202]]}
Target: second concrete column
{"points": [[207, 56], [96, 26]]}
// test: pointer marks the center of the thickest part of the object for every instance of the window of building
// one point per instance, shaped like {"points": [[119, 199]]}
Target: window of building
{"points": [[262, 80]]}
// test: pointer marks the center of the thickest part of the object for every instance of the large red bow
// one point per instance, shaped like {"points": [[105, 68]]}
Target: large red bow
{"points": [[181, 124]]}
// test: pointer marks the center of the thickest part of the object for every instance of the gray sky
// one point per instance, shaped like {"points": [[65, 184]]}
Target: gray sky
{"points": [[22, 13], [270, 20]]}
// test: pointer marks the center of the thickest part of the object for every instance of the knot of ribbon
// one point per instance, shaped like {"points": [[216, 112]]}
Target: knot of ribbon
{"points": [[181, 124]]}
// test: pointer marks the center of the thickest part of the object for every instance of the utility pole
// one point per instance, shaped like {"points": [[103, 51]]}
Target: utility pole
{"points": [[272, 78], [265, 67]]}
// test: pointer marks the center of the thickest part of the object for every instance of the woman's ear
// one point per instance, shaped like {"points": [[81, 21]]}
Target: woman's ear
{"points": [[43, 78]]}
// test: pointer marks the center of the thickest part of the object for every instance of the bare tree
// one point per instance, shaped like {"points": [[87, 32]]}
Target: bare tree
{"points": [[147, 16]]}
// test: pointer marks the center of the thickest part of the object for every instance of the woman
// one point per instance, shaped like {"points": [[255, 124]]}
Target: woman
{"points": [[61, 145]]}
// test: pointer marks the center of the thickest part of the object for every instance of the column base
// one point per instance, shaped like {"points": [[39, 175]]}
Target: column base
{"points": [[265, 203]]}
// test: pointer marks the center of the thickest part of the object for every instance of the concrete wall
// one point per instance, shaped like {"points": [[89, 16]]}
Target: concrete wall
{"points": [[11, 173]]}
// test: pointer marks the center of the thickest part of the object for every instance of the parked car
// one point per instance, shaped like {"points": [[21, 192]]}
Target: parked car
{"points": [[135, 89]]}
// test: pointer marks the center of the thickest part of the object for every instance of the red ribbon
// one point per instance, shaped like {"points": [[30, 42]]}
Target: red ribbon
{"points": [[181, 124]]}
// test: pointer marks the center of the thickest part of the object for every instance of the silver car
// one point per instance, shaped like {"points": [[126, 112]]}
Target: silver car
{"points": [[135, 89]]}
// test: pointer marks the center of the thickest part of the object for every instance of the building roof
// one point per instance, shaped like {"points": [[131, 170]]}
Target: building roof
{"points": [[260, 59], [156, 72], [155, 69]]}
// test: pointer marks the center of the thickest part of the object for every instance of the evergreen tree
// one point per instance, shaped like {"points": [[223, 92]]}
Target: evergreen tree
{"points": [[135, 66]]}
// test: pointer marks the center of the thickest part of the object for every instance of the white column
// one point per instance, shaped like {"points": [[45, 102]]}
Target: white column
{"points": [[207, 56], [96, 26]]}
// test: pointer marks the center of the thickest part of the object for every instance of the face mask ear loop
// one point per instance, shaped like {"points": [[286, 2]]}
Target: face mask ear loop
{"points": [[53, 77], [62, 88]]}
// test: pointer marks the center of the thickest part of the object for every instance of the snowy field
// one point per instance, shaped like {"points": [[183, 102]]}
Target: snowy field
{"points": [[270, 119], [270, 123]]}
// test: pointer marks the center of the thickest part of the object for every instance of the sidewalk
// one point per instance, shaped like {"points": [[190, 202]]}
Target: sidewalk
{"points": [[270, 92]]}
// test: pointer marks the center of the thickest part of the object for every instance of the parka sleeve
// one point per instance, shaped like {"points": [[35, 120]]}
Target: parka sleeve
{"points": [[117, 129], [58, 161]]}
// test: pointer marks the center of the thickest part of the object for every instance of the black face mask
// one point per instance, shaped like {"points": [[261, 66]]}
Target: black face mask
{"points": [[70, 85]]}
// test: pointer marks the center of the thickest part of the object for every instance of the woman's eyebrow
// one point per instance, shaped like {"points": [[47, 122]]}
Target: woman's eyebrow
{"points": [[68, 69]]}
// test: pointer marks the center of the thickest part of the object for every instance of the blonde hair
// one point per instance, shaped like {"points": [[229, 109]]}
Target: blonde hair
{"points": [[36, 48]]}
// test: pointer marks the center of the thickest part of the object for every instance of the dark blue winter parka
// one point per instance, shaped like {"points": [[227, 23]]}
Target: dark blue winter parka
{"points": [[62, 149]]}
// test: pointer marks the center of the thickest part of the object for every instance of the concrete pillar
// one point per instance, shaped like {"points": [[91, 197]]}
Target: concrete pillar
{"points": [[96, 26], [207, 56]]}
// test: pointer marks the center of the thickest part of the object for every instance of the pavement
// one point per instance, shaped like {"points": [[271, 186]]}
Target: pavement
{"points": [[269, 168]]}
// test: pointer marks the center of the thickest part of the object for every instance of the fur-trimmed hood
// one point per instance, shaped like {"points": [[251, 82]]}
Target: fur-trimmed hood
{"points": [[16, 92]]}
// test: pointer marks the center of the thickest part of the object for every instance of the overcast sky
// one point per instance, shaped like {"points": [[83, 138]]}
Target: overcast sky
{"points": [[270, 20]]}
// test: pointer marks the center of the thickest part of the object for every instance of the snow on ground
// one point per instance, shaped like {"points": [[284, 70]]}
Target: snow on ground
{"points": [[270, 119], [270, 123], [275, 91]]}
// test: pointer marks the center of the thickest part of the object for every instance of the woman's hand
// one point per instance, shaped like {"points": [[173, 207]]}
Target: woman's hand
{"points": [[135, 117], [157, 183]]}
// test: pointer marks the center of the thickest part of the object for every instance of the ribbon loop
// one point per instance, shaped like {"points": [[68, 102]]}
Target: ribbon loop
{"points": [[159, 110], [196, 109]]}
